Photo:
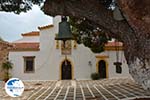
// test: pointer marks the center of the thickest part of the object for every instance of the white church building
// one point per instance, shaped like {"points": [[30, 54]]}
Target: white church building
{"points": [[38, 56]]}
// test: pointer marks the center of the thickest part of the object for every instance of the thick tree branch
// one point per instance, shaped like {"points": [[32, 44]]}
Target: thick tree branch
{"points": [[93, 10], [137, 13]]}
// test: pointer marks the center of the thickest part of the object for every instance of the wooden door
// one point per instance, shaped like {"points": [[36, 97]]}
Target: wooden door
{"points": [[66, 70], [102, 68]]}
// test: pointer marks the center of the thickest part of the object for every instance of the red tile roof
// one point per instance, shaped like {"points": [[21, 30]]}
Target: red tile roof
{"points": [[25, 47], [34, 33], [45, 27], [35, 46], [113, 46], [110, 44]]}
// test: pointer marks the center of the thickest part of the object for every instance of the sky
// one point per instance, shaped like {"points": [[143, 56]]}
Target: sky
{"points": [[13, 25]]}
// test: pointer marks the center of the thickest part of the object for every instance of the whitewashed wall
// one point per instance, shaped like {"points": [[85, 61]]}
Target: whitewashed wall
{"points": [[18, 65], [53, 58], [48, 60], [111, 67]]}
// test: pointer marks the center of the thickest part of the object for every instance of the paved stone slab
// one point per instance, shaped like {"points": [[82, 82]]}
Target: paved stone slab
{"points": [[107, 89]]}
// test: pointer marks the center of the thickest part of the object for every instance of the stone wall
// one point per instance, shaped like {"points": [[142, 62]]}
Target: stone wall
{"points": [[4, 50]]}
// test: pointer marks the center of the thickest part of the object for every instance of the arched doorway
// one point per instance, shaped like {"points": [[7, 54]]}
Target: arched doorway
{"points": [[66, 70], [102, 68]]}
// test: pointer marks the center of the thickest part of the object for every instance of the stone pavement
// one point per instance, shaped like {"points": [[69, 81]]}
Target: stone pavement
{"points": [[106, 89]]}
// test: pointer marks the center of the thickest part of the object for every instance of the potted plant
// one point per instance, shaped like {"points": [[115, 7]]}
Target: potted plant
{"points": [[95, 76], [6, 66]]}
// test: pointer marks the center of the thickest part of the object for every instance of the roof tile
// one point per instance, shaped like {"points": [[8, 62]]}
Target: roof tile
{"points": [[34, 33], [45, 27], [113, 44], [25, 46]]}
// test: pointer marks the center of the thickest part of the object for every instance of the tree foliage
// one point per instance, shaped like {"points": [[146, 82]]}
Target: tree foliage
{"points": [[18, 6], [1, 39], [6, 66], [89, 34]]}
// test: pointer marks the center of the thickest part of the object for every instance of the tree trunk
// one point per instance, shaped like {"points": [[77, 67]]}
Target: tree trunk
{"points": [[137, 51], [138, 59], [139, 74]]}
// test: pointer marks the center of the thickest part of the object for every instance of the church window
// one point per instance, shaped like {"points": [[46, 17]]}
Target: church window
{"points": [[118, 69], [29, 64]]}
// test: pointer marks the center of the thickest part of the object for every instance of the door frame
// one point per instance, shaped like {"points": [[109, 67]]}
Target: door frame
{"points": [[72, 69], [106, 62]]}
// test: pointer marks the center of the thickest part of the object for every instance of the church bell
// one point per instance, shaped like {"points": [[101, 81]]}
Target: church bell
{"points": [[64, 32]]}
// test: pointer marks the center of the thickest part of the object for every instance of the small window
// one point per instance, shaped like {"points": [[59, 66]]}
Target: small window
{"points": [[118, 69], [29, 64]]}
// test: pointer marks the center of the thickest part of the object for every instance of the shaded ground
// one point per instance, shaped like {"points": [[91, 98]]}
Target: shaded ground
{"points": [[143, 99], [107, 89]]}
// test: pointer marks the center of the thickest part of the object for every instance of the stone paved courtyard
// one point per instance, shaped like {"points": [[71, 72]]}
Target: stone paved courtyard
{"points": [[107, 89]]}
